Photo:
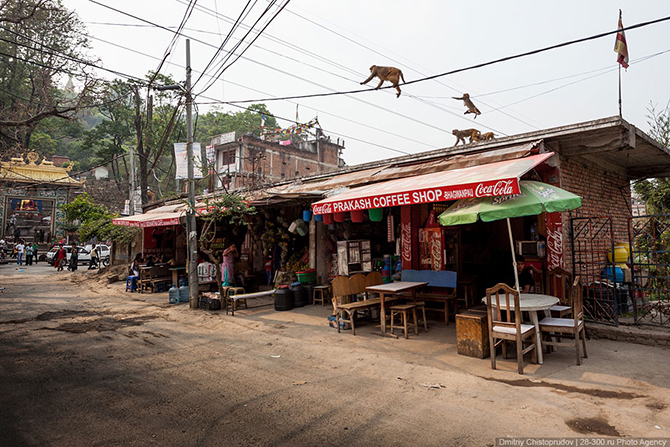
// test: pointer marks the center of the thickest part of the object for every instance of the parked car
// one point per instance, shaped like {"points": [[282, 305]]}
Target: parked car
{"points": [[85, 254], [51, 253]]}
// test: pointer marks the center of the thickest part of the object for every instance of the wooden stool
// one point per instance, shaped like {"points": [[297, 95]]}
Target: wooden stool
{"points": [[236, 291], [421, 306], [321, 290], [403, 310]]}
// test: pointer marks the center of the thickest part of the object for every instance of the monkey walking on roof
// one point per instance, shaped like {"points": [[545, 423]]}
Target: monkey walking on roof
{"points": [[461, 135], [469, 104], [391, 74]]}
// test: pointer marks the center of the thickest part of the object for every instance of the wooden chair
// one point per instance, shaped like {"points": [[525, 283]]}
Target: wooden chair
{"points": [[538, 279], [509, 329], [551, 327], [559, 284]]}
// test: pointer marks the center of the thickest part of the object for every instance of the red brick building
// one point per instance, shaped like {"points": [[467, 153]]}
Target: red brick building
{"points": [[249, 162]]}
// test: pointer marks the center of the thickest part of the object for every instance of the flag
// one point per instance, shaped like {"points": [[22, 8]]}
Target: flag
{"points": [[620, 46]]}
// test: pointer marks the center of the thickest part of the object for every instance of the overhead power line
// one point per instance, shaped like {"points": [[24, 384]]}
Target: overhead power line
{"points": [[220, 72], [468, 68], [216, 101], [331, 132]]}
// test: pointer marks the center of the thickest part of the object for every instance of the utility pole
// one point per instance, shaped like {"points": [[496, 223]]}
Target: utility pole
{"points": [[131, 195], [191, 229]]}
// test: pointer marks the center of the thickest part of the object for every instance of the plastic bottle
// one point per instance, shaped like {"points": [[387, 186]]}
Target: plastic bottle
{"points": [[173, 295], [183, 294]]}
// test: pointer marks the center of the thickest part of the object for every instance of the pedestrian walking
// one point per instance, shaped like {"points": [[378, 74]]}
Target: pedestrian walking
{"points": [[19, 247], [94, 258], [35, 248], [60, 257], [74, 259], [29, 254]]}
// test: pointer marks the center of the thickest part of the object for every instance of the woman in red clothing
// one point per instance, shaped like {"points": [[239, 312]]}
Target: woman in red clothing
{"points": [[60, 257]]}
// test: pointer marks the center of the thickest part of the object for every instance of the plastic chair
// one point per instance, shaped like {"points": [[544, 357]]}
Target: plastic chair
{"points": [[131, 283]]}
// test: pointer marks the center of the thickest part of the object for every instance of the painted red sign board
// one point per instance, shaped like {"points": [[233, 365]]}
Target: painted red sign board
{"points": [[428, 195]]}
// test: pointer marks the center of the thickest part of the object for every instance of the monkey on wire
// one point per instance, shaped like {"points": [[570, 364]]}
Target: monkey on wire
{"points": [[391, 74], [469, 104]]}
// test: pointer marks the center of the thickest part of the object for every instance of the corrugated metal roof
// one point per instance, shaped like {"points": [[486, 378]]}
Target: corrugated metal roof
{"points": [[409, 168]]}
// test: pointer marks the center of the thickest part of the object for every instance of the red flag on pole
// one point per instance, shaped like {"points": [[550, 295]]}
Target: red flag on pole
{"points": [[620, 46]]}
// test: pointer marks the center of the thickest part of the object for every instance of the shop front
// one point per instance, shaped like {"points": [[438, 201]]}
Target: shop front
{"points": [[410, 233]]}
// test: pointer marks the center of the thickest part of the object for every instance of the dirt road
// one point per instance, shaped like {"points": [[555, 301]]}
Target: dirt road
{"points": [[84, 363]]}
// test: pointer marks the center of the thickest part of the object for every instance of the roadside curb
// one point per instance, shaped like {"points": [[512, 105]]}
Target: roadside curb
{"points": [[630, 334]]}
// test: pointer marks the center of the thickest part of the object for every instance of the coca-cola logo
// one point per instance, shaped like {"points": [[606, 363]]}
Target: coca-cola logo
{"points": [[406, 242], [500, 188], [325, 208]]}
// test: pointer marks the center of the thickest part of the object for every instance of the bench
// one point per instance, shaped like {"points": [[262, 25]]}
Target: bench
{"points": [[150, 277], [345, 289], [441, 288], [246, 296]]}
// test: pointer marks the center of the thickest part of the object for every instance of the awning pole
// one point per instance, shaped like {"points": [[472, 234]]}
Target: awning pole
{"points": [[511, 244]]}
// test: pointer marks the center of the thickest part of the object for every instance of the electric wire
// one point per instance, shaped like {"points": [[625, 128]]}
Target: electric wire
{"points": [[331, 132], [214, 101], [227, 38], [60, 54], [468, 68], [286, 2]]}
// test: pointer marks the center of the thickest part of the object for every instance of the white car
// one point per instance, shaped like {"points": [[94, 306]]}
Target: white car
{"points": [[84, 254]]}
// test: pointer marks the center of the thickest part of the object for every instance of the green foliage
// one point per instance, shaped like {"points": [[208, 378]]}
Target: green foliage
{"points": [[38, 48], [216, 122], [96, 221], [229, 208], [656, 192]]}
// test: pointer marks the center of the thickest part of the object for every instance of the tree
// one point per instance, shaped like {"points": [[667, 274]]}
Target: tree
{"points": [[40, 43], [93, 220], [106, 140], [656, 191], [149, 124], [227, 211], [216, 122]]}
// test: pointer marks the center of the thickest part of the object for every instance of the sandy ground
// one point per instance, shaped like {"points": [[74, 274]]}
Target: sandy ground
{"points": [[84, 363]]}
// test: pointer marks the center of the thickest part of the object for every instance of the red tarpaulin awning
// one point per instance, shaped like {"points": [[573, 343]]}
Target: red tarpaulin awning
{"points": [[492, 179], [148, 220]]}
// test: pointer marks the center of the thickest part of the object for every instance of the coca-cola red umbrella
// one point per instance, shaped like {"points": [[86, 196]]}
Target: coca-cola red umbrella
{"points": [[535, 198]]}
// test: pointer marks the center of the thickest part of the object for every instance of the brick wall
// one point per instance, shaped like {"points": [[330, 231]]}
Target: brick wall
{"points": [[604, 192], [271, 162]]}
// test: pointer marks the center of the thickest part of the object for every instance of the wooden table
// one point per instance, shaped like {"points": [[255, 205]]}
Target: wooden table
{"points": [[532, 303], [175, 274], [392, 289]]}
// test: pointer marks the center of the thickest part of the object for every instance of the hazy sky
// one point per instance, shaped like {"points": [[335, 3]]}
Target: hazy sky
{"points": [[324, 46]]}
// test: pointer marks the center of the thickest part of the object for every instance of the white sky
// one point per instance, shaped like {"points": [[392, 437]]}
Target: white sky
{"points": [[323, 46]]}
